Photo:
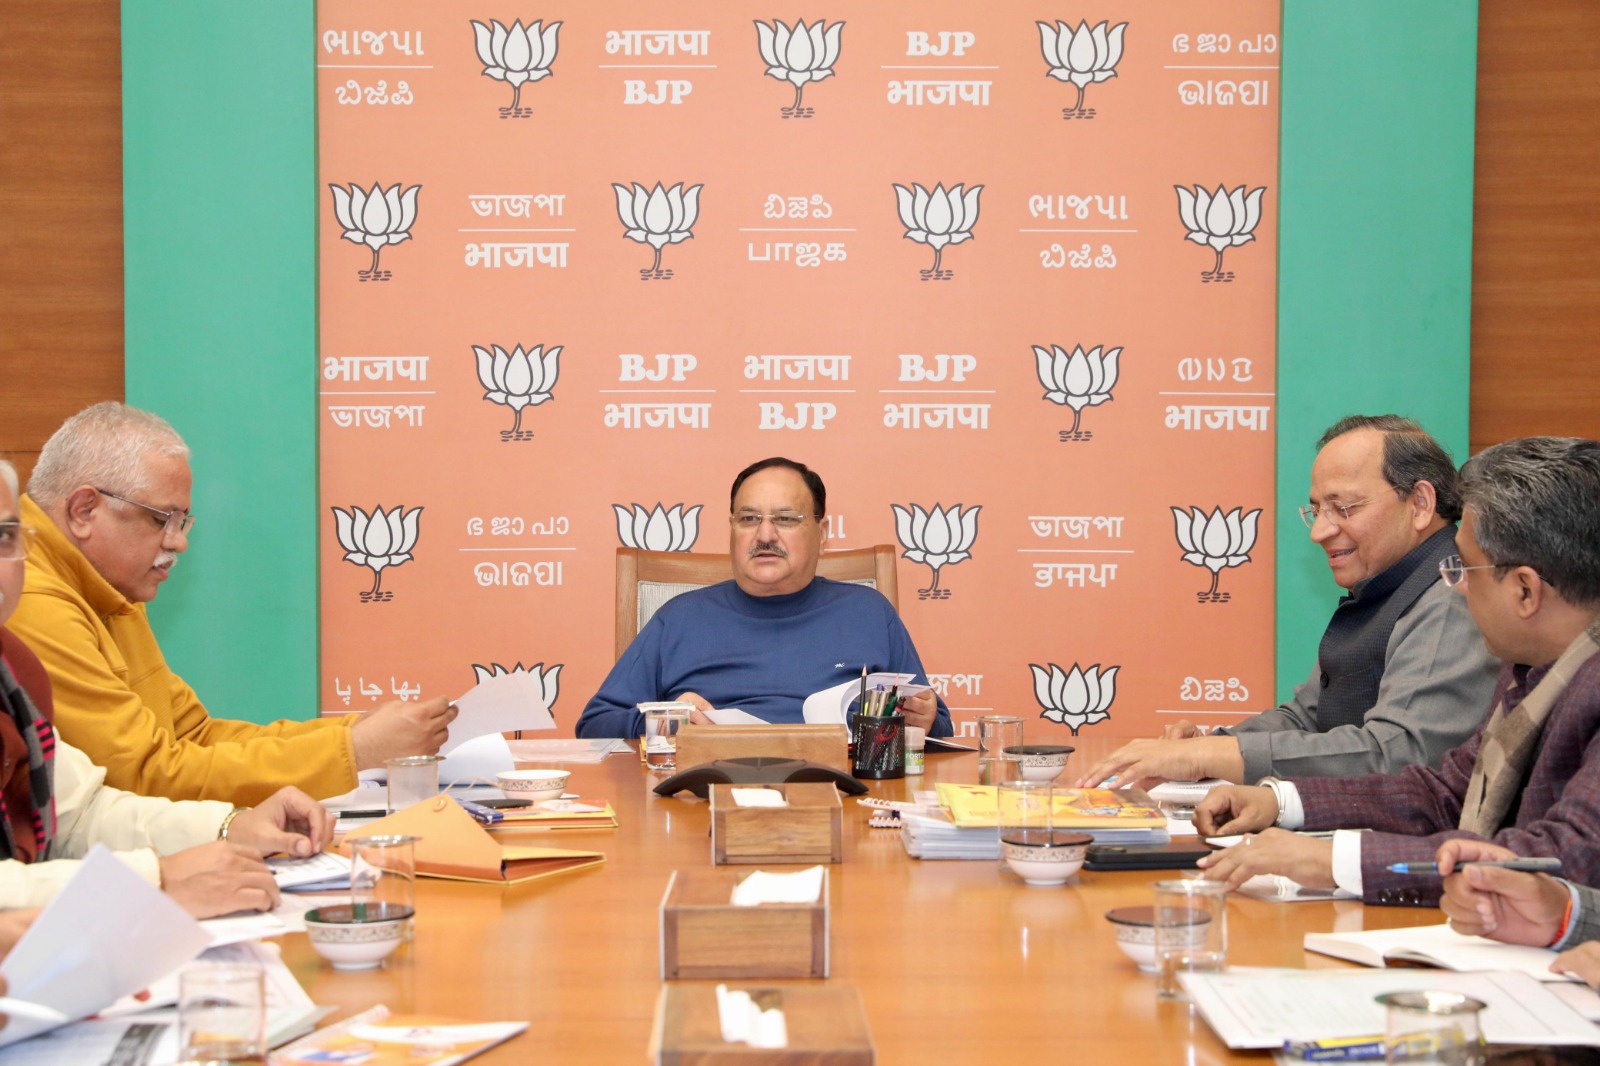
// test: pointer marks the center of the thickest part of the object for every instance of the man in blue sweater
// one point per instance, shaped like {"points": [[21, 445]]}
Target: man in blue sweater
{"points": [[773, 635]]}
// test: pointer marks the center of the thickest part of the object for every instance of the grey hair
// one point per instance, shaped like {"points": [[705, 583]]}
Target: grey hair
{"points": [[105, 446], [1410, 455], [8, 474], [1536, 502]]}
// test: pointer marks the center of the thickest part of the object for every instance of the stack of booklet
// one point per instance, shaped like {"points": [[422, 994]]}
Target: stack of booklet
{"points": [[964, 824]]}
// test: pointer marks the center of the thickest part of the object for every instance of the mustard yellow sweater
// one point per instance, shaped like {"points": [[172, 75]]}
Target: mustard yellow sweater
{"points": [[117, 700]]}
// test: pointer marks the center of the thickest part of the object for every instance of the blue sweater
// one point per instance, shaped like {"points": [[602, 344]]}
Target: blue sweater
{"points": [[762, 654]]}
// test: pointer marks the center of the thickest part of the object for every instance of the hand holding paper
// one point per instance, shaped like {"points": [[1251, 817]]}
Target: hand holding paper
{"points": [[500, 704]]}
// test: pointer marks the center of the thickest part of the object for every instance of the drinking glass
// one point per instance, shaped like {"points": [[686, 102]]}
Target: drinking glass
{"points": [[1191, 926], [222, 1014]]}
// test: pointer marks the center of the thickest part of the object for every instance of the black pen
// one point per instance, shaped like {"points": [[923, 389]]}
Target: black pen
{"points": [[362, 814]]}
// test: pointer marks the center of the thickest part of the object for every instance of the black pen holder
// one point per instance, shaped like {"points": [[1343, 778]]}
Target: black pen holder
{"points": [[878, 746]]}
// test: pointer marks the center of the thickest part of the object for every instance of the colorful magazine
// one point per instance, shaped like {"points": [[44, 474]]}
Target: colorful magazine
{"points": [[975, 806]]}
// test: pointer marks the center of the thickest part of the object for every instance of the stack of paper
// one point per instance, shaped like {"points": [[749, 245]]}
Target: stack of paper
{"points": [[928, 833]]}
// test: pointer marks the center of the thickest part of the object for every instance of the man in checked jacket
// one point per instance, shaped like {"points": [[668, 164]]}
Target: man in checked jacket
{"points": [[1529, 779]]}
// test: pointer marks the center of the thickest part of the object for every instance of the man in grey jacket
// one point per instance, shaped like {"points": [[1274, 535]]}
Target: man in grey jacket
{"points": [[1402, 675]]}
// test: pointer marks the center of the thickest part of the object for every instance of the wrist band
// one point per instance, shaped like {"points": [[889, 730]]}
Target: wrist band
{"points": [[1566, 923], [222, 830]]}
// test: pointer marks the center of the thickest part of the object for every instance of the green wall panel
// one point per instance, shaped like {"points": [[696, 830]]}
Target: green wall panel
{"points": [[1375, 252], [219, 220]]}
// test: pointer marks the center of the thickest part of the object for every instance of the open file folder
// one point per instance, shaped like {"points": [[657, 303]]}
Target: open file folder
{"points": [[454, 846]]}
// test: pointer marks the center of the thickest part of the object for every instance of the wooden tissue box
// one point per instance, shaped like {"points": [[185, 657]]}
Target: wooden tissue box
{"points": [[703, 934], [810, 829], [825, 744], [826, 1023]]}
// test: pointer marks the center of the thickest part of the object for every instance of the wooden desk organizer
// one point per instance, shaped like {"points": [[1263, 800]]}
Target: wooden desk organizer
{"points": [[704, 935], [809, 830], [825, 744], [826, 1023]]}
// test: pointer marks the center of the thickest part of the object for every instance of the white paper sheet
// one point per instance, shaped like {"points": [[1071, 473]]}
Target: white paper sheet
{"points": [[829, 706], [107, 934], [477, 761], [1263, 1008], [743, 1022], [802, 886], [733, 716], [758, 797], [499, 704]]}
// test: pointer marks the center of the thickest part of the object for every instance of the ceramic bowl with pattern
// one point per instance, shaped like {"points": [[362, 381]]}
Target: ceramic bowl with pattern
{"points": [[533, 785], [1045, 856], [357, 936], [1136, 933], [1039, 762]]}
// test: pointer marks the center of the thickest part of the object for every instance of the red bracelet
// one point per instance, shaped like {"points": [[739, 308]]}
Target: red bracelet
{"points": [[1566, 923]]}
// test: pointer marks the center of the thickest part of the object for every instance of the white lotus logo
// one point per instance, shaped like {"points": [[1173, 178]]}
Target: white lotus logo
{"points": [[517, 379], [937, 219], [800, 56], [518, 56], [549, 680], [937, 537], [658, 530], [657, 217], [1216, 542], [1081, 57], [377, 541], [1221, 219], [1082, 379], [375, 218], [1075, 698]]}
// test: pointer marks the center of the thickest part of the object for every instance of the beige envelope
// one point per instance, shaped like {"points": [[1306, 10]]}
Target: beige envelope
{"points": [[453, 845]]}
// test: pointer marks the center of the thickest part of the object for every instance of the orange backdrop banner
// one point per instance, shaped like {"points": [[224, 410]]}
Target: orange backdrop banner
{"points": [[1007, 284]]}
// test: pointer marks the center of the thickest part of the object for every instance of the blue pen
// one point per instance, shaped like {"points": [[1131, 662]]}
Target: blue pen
{"points": [[1540, 865], [1345, 1049], [481, 814]]}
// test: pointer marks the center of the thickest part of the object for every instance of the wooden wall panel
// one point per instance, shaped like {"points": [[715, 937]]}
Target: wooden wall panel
{"points": [[1536, 221], [60, 215]]}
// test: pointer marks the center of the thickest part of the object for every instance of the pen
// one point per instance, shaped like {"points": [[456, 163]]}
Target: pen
{"points": [[362, 814], [861, 707], [1345, 1049], [34, 1012], [1543, 864]]}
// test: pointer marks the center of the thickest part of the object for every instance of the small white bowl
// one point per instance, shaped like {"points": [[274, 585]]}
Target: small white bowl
{"points": [[533, 785], [1045, 856], [1136, 934], [1040, 762], [352, 938]]}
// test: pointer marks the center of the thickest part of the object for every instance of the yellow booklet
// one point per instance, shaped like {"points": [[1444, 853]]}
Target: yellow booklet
{"points": [[557, 814], [974, 806], [377, 1038]]}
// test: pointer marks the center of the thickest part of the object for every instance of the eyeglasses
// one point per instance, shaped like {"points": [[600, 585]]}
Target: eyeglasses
{"points": [[1311, 512], [1454, 571], [787, 520], [171, 521], [16, 540]]}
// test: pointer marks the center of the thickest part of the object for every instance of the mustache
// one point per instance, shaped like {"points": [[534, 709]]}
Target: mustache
{"points": [[166, 559], [768, 546]]}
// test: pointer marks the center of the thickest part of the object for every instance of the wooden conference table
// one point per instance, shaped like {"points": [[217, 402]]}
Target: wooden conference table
{"points": [[956, 962]]}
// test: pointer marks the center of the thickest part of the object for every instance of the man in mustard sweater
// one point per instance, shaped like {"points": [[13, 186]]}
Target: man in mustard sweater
{"points": [[110, 500]]}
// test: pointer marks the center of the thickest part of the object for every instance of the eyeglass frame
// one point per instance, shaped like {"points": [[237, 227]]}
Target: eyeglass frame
{"points": [[1309, 513], [185, 518], [25, 537], [739, 520], [1453, 570]]}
